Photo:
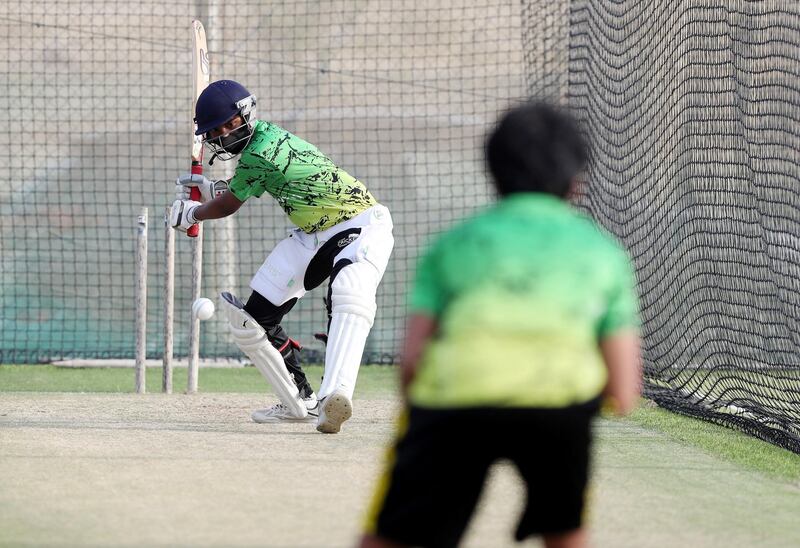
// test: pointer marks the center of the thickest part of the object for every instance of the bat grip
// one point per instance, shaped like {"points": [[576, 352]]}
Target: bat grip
{"points": [[194, 194]]}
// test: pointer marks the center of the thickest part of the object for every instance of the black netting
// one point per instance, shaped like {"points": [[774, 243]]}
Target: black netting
{"points": [[692, 107], [96, 99], [693, 111]]}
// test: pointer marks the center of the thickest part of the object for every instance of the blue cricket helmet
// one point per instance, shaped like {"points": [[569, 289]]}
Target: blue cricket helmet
{"points": [[221, 101]]}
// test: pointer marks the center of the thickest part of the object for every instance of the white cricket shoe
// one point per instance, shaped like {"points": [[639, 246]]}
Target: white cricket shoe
{"points": [[335, 409], [280, 413]]}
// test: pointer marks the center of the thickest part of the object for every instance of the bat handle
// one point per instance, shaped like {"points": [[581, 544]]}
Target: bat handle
{"points": [[194, 194]]}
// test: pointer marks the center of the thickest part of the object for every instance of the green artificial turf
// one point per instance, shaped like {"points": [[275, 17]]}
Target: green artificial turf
{"points": [[373, 380]]}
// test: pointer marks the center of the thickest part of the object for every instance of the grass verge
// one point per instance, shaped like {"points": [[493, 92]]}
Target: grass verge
{"points": [[373, 380], [730, 445]]}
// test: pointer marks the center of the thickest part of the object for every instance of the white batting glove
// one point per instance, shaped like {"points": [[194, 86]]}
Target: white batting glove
{"points": [[181, 214], [208, 189]]}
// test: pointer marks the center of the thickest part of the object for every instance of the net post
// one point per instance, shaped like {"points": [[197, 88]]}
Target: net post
{"points": [[169, 304], [194, 325], [141, 302]]}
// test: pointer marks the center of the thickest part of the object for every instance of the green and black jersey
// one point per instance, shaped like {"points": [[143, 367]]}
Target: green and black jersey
{"points": [[522, 293], [311, 189]]}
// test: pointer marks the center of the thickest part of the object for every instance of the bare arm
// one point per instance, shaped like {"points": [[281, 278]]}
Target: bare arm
{"points": [[223, 205], [419, 330], [622, 355]]}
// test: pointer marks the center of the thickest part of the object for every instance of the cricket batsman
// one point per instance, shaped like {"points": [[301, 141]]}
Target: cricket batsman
{"points": [[342, 233]]}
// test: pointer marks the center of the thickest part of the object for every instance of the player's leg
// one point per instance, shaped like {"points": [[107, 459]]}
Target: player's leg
{"points": [[576, 538], [256, 327], [433, 479], [269, 316], [371, 541], [556, 479], [352, 306], [352, 312], [252, 339]]}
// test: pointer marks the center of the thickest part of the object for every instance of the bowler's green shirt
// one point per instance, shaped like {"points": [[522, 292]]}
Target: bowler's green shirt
{"points": [[311, 189], [522, 293]]}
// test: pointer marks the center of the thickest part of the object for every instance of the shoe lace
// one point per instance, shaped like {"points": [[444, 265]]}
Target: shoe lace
{"points": [[281, 408]]}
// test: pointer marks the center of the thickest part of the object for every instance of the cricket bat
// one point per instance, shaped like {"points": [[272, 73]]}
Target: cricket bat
{"points": [[200, 78]]}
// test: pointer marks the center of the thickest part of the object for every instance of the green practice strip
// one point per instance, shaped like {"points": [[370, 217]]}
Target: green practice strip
{"points": [[372, 380]]}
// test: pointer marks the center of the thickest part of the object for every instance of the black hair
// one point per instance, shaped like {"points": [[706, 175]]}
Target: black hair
{"points": [[536, 148]]}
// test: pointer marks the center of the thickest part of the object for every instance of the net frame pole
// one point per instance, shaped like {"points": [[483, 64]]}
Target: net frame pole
{"points": [[141, 303]]}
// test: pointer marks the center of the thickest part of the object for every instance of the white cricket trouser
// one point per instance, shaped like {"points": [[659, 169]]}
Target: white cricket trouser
{"points": [[281, 278]]}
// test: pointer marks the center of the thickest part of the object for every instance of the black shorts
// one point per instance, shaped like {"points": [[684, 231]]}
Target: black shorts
{"points": [[440, 464]]}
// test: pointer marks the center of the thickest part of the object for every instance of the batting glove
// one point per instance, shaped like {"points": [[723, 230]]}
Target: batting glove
{"points": [[208, 189], [181, 214]]}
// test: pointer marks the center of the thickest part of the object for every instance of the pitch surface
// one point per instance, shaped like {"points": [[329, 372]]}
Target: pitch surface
{"points": [[126, 470]]}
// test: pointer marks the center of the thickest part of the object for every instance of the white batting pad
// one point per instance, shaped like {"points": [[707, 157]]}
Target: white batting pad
{"points": [[251, 338], [352, 313]]}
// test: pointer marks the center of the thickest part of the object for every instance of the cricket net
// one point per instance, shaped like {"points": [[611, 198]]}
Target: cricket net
{"points": [[99, 97], [692, 108]]}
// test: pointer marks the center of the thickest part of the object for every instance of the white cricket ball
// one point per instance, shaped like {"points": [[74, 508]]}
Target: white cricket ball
{"points": [[203, 308]]}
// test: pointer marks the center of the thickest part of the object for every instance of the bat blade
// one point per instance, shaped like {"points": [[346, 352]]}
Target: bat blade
{"points": [[200, 78]]}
